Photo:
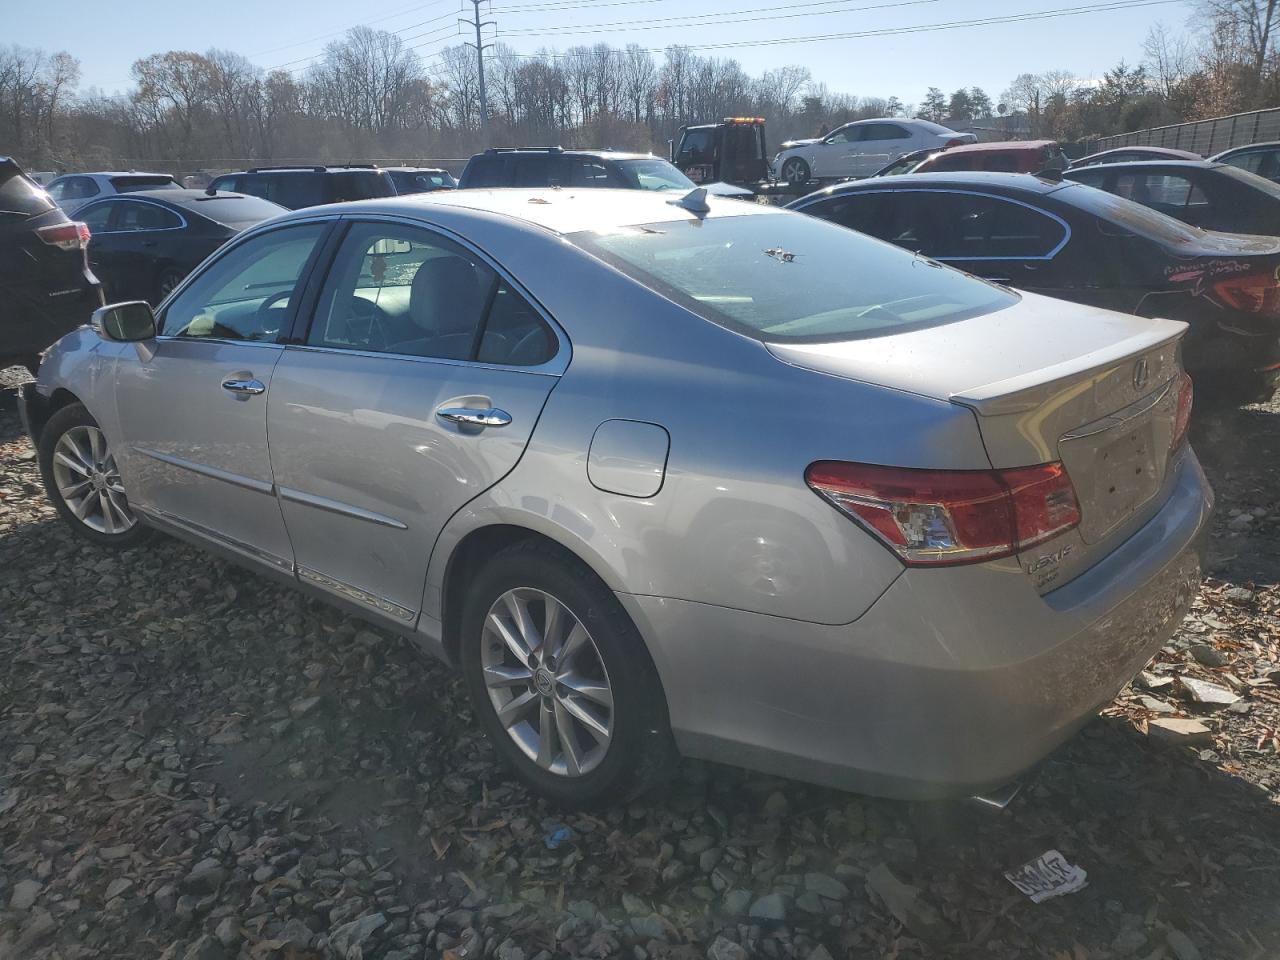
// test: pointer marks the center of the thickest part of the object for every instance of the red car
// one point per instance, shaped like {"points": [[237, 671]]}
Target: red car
{"points": [[1007, 156]]}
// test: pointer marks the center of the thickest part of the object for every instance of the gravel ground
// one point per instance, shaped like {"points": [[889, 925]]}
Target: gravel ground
{"points": [[196, 764]]}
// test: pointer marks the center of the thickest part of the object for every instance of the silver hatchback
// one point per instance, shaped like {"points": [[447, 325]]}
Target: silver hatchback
{"points": [[662, 475]]}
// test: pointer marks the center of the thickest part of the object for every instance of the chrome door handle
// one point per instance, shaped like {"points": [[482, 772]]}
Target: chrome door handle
{"points": [[245, 388], [471, 417]]}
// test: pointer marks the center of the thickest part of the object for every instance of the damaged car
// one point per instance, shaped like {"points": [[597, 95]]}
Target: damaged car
{"points": [[1076, 243], [662, 474]]}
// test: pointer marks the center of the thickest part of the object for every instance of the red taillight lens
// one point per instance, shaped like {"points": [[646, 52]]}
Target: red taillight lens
{"points": [[65, 236], [1250, 293], [1182, 421], [955, 142], [936, 517]]}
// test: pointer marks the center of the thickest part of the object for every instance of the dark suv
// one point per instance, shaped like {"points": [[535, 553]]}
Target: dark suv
{"points": [[296, 187], [556, 167], [46, 287]]}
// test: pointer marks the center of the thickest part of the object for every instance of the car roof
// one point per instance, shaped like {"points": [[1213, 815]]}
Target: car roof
{"points": [[1022, 182], [1265, 145], [119, 173], [414, 169], [1028, 145], [605, 154], [1174, 164], [562, 211]]}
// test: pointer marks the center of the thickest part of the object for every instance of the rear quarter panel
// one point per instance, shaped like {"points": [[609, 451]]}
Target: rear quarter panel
{"points": [[734, 523]]}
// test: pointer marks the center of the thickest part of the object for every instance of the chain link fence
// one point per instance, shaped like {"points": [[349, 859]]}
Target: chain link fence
{"points": [[1205, 137]]}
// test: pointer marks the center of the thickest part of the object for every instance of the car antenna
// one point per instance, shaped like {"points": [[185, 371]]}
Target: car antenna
{"points": [[695, 201]]}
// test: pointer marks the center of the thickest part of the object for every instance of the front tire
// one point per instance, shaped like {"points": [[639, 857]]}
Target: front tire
{"points": [[83, 482], [796, 171], [561, 680]]}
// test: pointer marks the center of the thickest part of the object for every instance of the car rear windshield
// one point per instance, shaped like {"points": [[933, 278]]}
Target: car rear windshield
{"points": [[236, 211], [789, 278], [20, 197], [133, 182], [359, 185], [654, 174], [1129, 215]]}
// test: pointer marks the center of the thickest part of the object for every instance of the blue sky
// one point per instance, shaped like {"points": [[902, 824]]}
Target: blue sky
{"points": [[108, 37]]}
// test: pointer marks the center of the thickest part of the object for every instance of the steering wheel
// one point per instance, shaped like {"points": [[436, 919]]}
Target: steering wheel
{"points": [[361, 309], [261, 318]]}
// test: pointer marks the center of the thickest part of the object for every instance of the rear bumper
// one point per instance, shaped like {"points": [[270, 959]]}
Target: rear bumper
{"points": [[31, 320], [953, 682]]}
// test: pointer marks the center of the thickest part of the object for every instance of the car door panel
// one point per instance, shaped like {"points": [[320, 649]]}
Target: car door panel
{"points": [[369, 473], [196, 452], [192, 403], [367, 452]]}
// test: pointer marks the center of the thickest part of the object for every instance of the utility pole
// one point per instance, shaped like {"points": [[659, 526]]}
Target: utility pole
{"points": [[481, 47]]}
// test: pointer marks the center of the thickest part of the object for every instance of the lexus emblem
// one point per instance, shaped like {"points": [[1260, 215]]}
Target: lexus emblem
{"points": [[1140, 374]]}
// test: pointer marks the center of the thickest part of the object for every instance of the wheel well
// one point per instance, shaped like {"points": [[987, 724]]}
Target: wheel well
{"points": [[468, 557], [40, 415]]}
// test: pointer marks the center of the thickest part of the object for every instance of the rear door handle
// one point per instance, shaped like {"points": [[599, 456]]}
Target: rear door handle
{"points": [[244, 388], [471, 417]]}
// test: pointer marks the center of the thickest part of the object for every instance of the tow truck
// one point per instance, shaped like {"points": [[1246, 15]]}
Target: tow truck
{"points": [[731, 151]]}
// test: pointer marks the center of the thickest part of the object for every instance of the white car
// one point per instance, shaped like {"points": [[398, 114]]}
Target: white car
{"points": [[859, 149], [71, 191]]}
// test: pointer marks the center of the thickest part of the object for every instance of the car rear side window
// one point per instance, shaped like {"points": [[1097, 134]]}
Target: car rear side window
{"points": [[483, 172], [857, 211], [409, 291], [294, 190], [359, 185], [73, 188], [246, 293], [792, 279]]}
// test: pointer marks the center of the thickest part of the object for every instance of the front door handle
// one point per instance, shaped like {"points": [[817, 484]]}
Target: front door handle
{"points": [[244, 388], [471, 417]]}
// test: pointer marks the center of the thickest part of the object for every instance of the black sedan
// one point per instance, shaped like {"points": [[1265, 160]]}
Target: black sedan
{"points": [[46, 289], [1072, 242], [143, 244], [1215, 196], [1260, 158]]}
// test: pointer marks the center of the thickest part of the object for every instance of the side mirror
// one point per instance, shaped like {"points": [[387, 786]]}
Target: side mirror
{"points": [[127, 322]]}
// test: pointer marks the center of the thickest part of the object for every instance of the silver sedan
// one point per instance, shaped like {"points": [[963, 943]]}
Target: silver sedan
{"points": [[662, 475]]}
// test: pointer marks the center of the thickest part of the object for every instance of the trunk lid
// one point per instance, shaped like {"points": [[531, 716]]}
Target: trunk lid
{"points": [[1047, 380]]}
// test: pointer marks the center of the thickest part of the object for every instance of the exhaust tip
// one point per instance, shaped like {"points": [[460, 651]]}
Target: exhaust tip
{"points": [[999, 798]]}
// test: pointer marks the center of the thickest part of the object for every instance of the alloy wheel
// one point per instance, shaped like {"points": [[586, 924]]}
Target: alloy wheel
{"points": [[795, 171], [547, 682], [85, 473]]}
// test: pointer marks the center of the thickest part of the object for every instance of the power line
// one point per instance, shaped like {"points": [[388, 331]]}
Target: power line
{"points": [[668, 23], [554, 6], [416, 8], [892, 31], [288, 65]]}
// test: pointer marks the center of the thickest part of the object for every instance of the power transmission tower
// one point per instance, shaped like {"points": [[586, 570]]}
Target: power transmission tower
{"points": [[481, 47]]}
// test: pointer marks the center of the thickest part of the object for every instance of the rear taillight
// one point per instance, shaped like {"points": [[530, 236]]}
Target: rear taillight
{"points": [[937, 517], [955, 142], [1182, 421], [1250, 293], [65, 236]]}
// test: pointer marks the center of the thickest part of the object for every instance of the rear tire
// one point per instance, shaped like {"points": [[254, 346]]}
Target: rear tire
{"points": [[583, 718], [83, 482], [796, 171]]}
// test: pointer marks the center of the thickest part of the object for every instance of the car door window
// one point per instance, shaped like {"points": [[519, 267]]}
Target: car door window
{"points": [[245, 294], [132, 216], [1169, 193], [845, 135], [858, 211], [74, 188], [404, 290], [585, 172], [882, 131], [957, 226], [514, 334]]}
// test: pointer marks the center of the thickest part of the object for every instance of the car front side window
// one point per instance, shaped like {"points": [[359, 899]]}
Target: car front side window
{"points": [[246, 293], [97, 216]]}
